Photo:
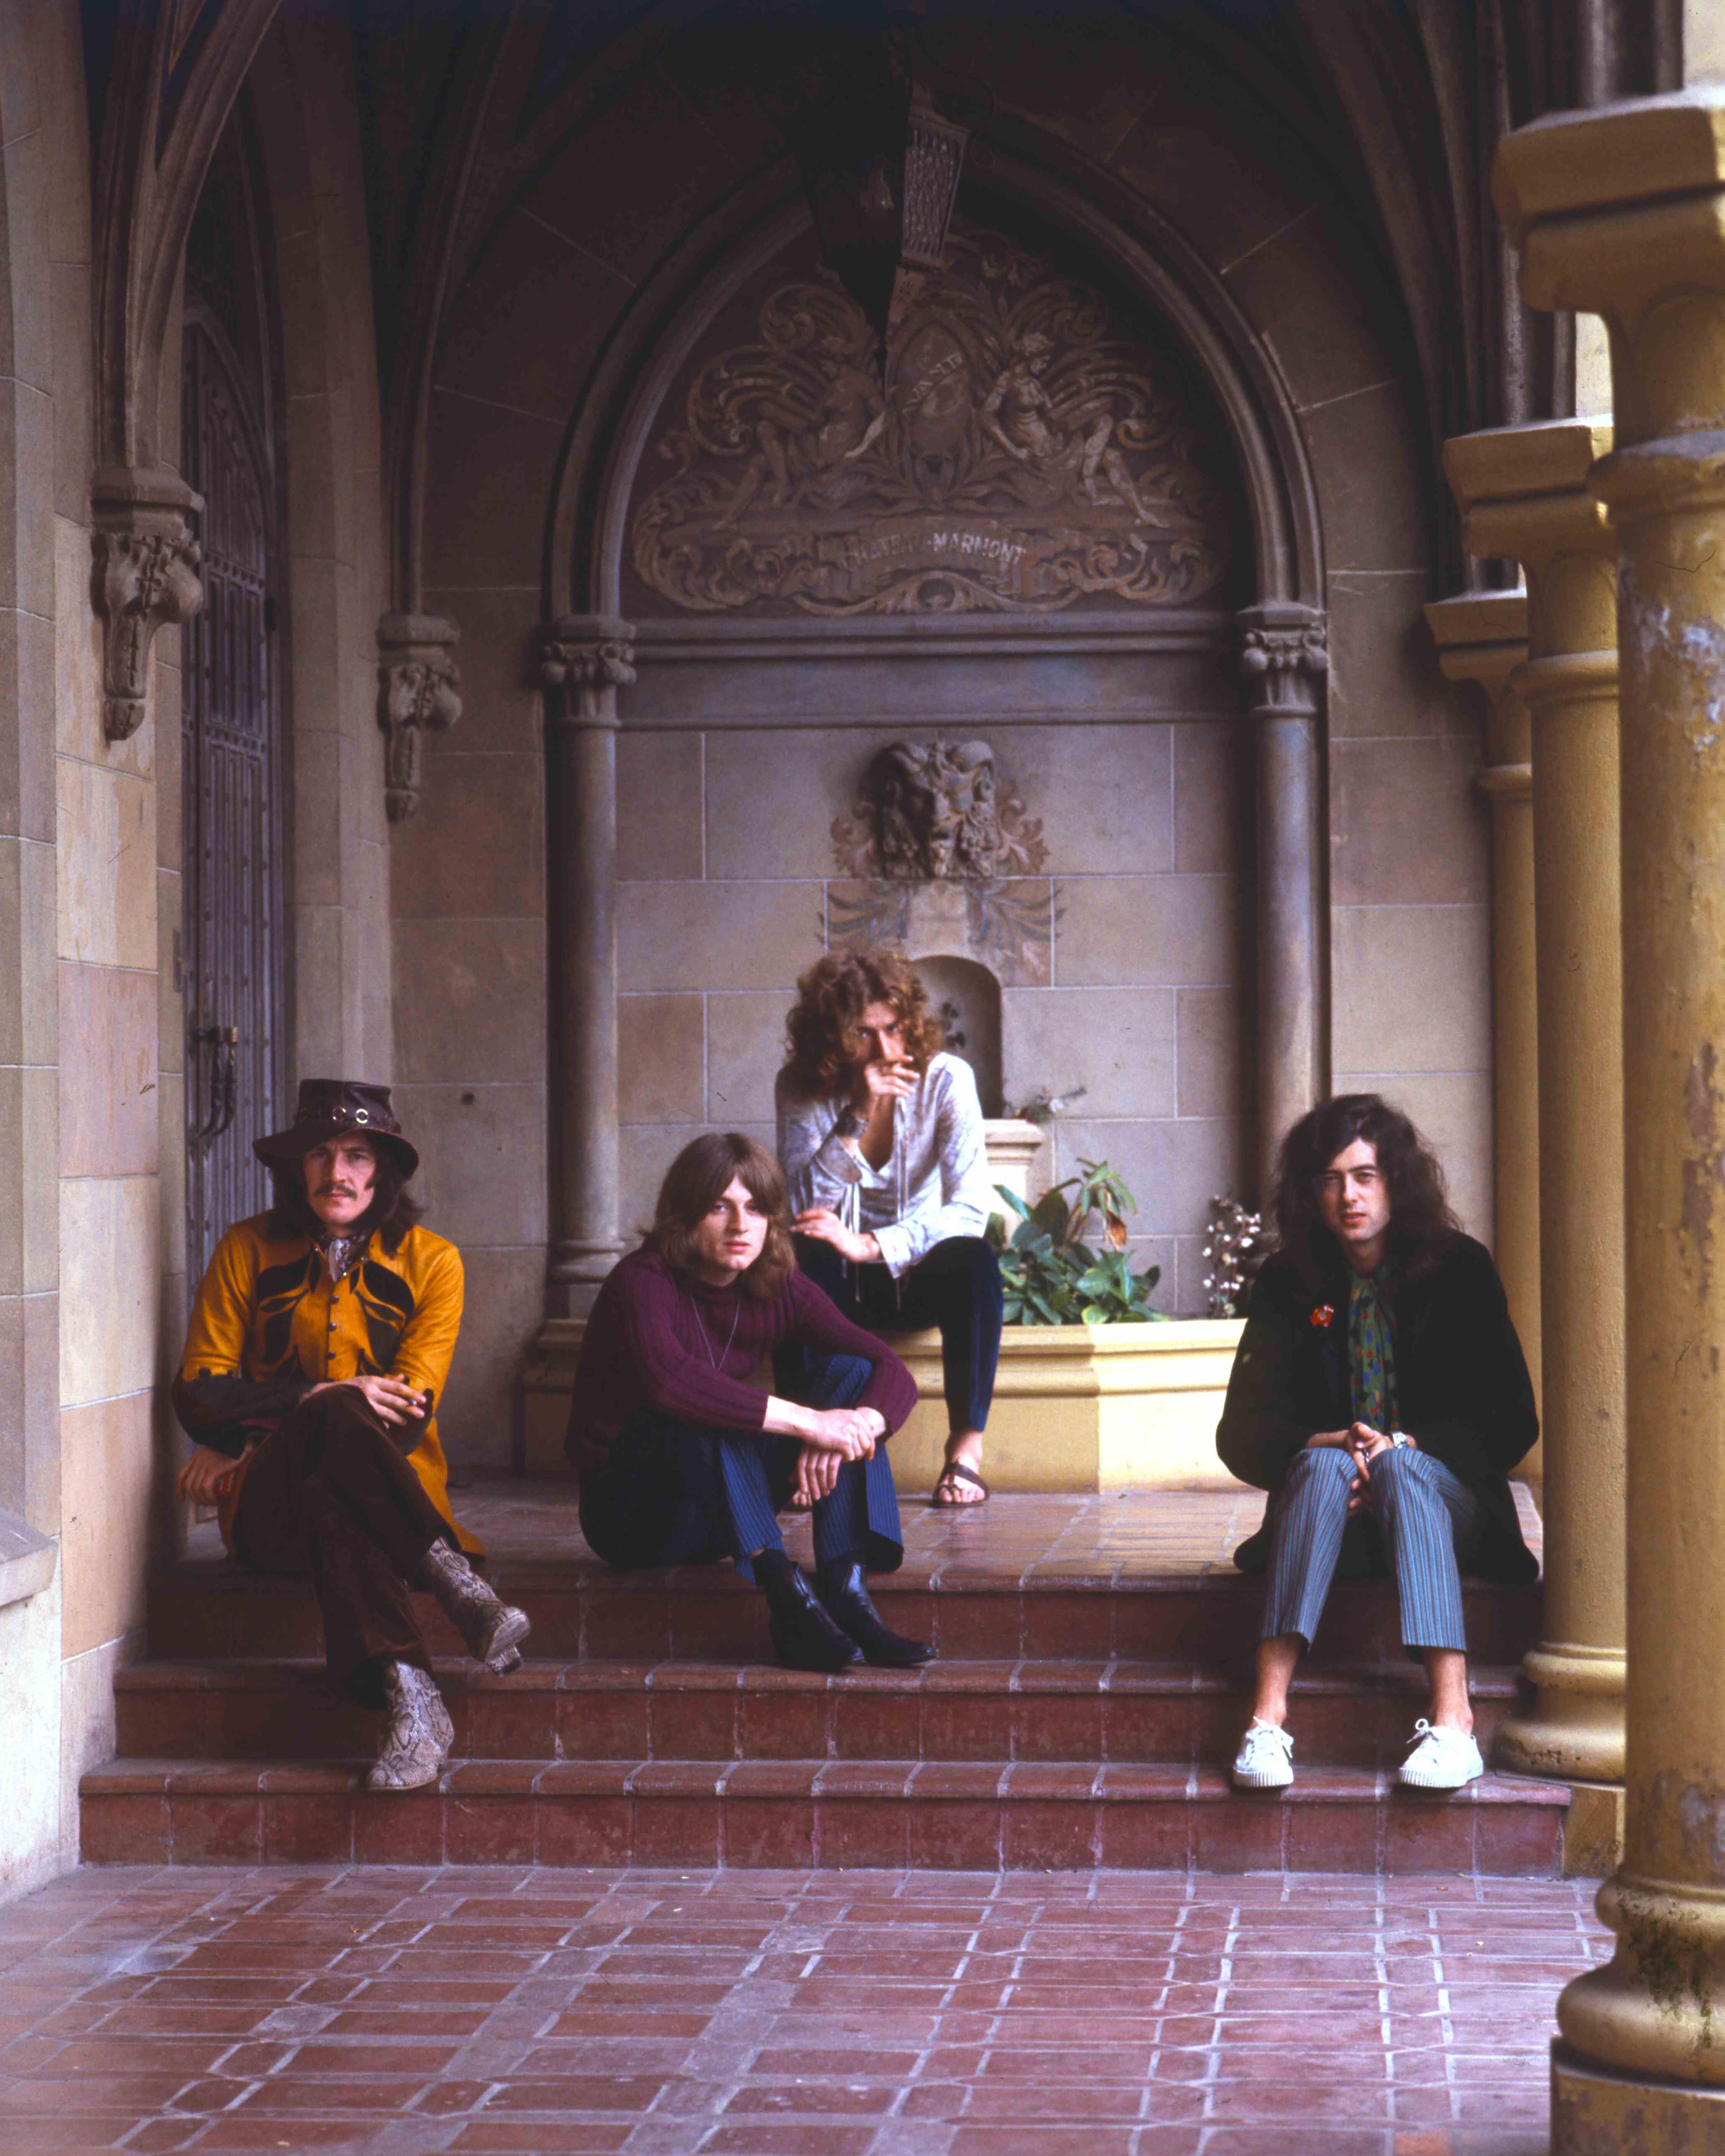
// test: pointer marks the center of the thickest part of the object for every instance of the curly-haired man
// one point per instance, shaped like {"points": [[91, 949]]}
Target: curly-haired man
{"points": [[1380, 1394], [880, 1135]]}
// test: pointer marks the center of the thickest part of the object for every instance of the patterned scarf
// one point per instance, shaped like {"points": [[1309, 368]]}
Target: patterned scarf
{"points": [[1371, 1354]]}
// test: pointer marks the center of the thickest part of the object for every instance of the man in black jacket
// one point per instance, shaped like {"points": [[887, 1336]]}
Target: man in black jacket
{"points": [[1381, 1395]]}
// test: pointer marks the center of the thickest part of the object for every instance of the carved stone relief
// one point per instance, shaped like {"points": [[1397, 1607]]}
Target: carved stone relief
{"points": [[1021, 455], [935, 813], [418, 687], [944, 858], [144, 577]]}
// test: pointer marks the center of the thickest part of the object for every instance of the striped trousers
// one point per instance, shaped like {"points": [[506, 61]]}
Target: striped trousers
{"points": [[677, 1493], [1426, 1516]]}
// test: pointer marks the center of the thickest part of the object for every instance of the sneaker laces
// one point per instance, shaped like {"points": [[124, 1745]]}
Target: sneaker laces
{"points": [[1267, 1735], [1436, 1733]]}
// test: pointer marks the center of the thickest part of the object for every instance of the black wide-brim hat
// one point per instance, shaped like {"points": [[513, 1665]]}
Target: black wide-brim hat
{"points": [[338, 1107]]}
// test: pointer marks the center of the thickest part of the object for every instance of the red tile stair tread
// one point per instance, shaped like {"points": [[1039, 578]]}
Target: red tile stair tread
{"points": [[1022, 1779]]}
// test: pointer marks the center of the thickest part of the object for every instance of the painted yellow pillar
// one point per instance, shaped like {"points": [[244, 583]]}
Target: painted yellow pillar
{"points": [[1621, 211], [1482, 636], [1524, 494]]}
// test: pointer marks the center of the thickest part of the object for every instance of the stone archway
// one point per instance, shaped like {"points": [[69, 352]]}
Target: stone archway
{"points": [[670, 648]]}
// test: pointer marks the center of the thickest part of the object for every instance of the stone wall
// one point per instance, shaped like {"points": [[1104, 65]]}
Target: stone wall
{"points": [[727, 786], [1129, 985], [43, 390]]}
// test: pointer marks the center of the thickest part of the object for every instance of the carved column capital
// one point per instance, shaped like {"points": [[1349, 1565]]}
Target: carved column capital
{"points": [[1482, 636], [418, 688], [144, 575], [1526, 494], [1284, 655], [584, 659]]}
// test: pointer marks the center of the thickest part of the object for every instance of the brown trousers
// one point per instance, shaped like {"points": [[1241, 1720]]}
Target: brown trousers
{"points": [[330, 1493]]}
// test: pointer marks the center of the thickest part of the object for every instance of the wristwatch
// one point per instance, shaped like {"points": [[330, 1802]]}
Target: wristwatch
{"points": [[1401, 1437]]}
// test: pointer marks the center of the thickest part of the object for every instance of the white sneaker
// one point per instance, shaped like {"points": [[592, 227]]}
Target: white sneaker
{"points": [[1441, 1759], [1266, 1758]]}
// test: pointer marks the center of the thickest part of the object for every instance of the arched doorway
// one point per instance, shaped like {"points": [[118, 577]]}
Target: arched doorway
{"points": [[232, 943]]}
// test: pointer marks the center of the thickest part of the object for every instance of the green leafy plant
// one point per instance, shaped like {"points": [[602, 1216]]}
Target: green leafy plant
{"points": [[1051, 1276]]}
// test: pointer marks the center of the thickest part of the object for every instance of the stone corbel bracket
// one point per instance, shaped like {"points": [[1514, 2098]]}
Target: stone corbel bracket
{"points": [[145, 576], [1284, 654], [418, 685], [584, 661]]}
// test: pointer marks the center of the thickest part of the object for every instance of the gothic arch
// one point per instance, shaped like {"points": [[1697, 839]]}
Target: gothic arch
{"points": [[653, 341], [1281, 635]]}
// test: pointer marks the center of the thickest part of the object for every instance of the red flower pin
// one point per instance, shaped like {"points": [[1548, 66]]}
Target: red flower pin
{"points": [[1324, 1314]]}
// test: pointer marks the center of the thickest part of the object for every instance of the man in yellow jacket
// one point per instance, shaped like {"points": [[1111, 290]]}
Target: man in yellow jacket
{"points": [[319, 1346]]}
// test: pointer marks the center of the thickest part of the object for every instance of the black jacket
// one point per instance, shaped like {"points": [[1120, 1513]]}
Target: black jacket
{"points": [[1461, 1383]]}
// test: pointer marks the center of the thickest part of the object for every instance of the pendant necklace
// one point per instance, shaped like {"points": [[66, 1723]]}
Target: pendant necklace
{"points": [[706, 1337]]}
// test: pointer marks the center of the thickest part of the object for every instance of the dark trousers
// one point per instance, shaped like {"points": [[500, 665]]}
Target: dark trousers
{"points": [[1426, 1516], [956, 1287], [330, 1493], [676, 1493]]}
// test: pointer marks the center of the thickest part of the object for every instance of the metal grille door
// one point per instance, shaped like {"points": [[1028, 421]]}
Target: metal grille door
{"points": [[231, 958]]}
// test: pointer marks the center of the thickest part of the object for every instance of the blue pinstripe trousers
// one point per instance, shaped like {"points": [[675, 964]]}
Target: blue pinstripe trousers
{"points": [[676, 1493], [1425, 1515]]}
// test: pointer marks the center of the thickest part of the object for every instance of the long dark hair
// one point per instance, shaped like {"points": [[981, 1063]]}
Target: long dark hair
{"points": [[694, 1183], [388, 1217], [825, 1047], [1421, 1224]]}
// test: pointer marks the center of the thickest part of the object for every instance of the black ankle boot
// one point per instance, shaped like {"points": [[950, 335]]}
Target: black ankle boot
{"points": [[804, 1637], [844, 1590]]}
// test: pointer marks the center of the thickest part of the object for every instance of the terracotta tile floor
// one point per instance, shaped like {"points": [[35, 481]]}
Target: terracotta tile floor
{"points": [[400, 2013], [1168, 1533]]}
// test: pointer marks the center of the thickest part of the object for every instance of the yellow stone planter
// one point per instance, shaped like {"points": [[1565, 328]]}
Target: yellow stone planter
{"points": [[1077, 1407], [1085, 1407]]}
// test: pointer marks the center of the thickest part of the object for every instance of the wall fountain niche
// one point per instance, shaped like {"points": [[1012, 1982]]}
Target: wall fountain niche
{"points": [[967, 996], [959, 616]]}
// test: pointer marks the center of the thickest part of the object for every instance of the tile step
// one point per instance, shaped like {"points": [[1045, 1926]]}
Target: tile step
{"points": [[818, 1812], [971, 1611], [1174, 1712]]}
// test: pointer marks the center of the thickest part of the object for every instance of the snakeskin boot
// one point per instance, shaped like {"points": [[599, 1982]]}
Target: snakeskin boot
{"points": [[493, 1630], [420, 1732]]}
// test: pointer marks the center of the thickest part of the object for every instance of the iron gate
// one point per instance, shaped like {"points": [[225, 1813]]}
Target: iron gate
{"points": [[231, 954]]}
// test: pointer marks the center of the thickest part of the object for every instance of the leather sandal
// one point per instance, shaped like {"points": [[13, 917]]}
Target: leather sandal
{"points": [[964, 1473]]}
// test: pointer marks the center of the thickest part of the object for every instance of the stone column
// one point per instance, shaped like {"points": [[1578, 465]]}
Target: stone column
{"points": [[1284, 656], [1620, 211], [585, 660], [1524, 491], [1482, 636]]}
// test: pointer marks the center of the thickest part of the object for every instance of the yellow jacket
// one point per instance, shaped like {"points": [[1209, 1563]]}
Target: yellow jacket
{"points": [[267, 1324]]}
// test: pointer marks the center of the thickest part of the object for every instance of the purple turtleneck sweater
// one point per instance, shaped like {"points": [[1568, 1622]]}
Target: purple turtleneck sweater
{"points": [[659, 1343]]}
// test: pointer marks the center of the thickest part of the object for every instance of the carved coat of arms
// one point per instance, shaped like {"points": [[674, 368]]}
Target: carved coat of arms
{"points": [[1019, 455]]}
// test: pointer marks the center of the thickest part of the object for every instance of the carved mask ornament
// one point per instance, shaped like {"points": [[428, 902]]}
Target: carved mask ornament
{"points": [[934, 813]]}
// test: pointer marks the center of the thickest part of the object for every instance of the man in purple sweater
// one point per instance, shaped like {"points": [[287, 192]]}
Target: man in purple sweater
{"points": [[682, 1461]]}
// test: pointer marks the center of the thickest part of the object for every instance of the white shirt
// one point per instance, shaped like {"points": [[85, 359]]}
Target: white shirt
{"points": [[934, 1183]]}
